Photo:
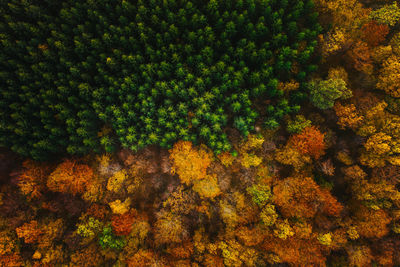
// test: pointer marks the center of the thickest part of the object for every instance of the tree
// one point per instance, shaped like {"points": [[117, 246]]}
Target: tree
{"points": [[388, 14], [122, 223], [142, 258], [323, 93], [371, 223], [33, 178], [309, 142], [334, 42], [189, 163], [141, 70], [292, 156], [302, 197], [169, 228], [360, 57], [389, 76], [374, 33], [30, 232], [348, 116], [107, 239], [298, 124], [70, 177], [88, 256], [207, 187]]}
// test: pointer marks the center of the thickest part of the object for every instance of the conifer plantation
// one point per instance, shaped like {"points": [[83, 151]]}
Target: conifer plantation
{"points": [[83, 76], [191, 133]]}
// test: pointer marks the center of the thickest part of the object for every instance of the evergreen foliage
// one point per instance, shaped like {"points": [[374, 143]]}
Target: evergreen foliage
{"points": [[79, 76]]}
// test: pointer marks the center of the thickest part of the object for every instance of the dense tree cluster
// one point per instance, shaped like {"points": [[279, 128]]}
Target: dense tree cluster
{"points": [[79, 76], [322, 189]]}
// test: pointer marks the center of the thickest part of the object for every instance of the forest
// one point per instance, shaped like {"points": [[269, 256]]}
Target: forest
{"points": [[195, 133]]}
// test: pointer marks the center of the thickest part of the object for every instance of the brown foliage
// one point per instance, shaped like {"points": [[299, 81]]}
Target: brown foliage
{"points": [[371, 223], [374, 33], [390, 173], [98, 211], [32, 180], [360, 57], [169, 228], [89, 256], [183, 251]]}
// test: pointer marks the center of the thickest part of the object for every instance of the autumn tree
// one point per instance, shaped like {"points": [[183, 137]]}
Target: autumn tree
{"points": [[374, 33], [143, 258], [297, 196], [389, 77], [122, 223], [387, 14], [309, 142], [32, 180], [348, 116], [207, 187], [169, 228], [289, 155], [70, 177], [188, 162], [30, 232], [360, 57], [371, 223], [323, 93]]}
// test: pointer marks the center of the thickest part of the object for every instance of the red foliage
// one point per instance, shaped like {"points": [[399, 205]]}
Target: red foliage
{"points": [[122, 223], [374, 33], [310, 142]]}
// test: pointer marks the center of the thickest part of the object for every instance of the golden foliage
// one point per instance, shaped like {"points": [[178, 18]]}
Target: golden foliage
{"points": [[207, 187], [237, 255], [291, 156], [348, 116], [70, 177], [334, 42], [116, 182], [169, 228], [7, 244], [389, 77], [226, 158], [283, 230], [189, 163], [119, 207]]}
